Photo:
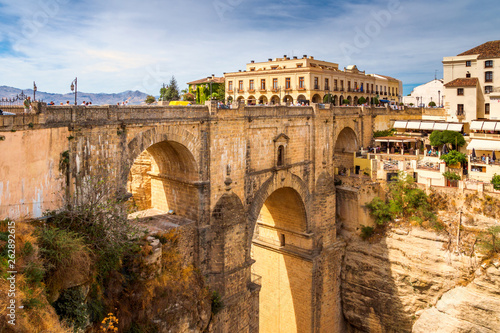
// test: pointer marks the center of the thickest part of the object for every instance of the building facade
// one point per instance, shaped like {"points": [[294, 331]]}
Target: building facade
{"points": [[295, 80], [471, 91], [422, 95], [205, 88]]}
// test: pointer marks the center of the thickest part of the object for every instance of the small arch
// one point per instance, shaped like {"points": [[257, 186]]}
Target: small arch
{"points": [[341, 100], [251, 100], [316, 98], [301, 98], [288, 100], [275, 100], [355, 100], [335, 100], [240, 99], [262, 99], [349, 99]]}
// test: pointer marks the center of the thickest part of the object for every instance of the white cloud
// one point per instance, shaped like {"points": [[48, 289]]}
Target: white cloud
{"points": [[118, 45]]}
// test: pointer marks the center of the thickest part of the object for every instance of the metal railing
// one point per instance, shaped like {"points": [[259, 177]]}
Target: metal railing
{"points": [[16, 100]]}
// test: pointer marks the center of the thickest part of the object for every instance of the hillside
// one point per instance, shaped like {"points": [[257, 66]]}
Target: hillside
{"points": [[133, 97]]}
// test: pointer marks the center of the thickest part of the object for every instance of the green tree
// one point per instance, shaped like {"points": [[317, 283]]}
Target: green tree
{"points": [[454, 157], [496, 181], [188, 97], [438, 138], [375, 100], [451, 175], [221, 92], [361, 100], [490, 239], [171, 92], [432, 104], [345, 101], [150, 99]]}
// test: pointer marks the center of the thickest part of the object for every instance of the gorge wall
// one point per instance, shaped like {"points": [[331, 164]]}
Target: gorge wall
{"points": [[411, 279]]}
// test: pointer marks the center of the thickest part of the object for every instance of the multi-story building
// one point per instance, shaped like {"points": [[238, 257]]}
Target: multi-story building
{"points": [[471, 90], [290, 80], [472, 95]]}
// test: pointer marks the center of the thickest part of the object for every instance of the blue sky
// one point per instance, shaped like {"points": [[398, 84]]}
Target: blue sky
{"points": [[112, 46]]}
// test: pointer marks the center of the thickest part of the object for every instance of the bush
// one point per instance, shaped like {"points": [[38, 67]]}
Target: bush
{"points": [[361, 100], [388, 132], [379, 209], [345, 102], [451, 175], [150, 99], [454, 157], [70, 307], [366, 231], [438, 138], [432, 104], [496, 181]]}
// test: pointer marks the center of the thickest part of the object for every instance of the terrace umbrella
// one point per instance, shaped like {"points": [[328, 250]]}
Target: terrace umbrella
{"points": [[445, 149], [493, 156], [473, 154]]}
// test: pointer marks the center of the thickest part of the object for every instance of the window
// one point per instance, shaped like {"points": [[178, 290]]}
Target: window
{"points": [[460, 91], [287, 83], [467, 75], [335, 87], [230, 86], [251, 86], [361, 87], [348, 85], [355, 86], [282, 239], [385, 90], [372, 88], [327, 84], [487, 108], [468, 63], [301, 82], [488, 76], [275, 84], [299, 65], [460, 109], [341, 85], [376, 87], [240, 85], [488, 63], [263, 84], [488, 89], [316, 83], [281, 156]]}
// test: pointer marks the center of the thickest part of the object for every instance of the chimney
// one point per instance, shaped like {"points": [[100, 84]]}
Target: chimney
{"points": [[270, 59], [311, 57], [294, 57], [251, 61], [240, 70], [304, 56], [213, 76]]}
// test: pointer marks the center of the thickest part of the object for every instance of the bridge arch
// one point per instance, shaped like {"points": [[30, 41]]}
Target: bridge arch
{"points": [[346, 144], [163, 172], [280, 222]]}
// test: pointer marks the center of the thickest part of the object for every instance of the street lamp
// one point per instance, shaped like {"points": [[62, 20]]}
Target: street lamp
{"points": [[34, 91], [439, 98], [74, 87]]}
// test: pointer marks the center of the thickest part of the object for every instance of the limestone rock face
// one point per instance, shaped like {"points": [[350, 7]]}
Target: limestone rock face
{"points": [[386, 282], [473, 308], [139, 182]]}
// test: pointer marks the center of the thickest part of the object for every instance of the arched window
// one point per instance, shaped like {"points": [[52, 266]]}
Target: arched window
{"points": [[281, 156]]}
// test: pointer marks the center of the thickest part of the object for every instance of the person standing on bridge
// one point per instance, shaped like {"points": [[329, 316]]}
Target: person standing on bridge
{"points": [[27, 104]]}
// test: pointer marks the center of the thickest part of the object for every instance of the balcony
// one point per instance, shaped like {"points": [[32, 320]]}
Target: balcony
{"points": [[301, 88], [341, 89], [241, 91], [262, 89], [251, 90], [316, 87], [275, 89], [460, 113]]}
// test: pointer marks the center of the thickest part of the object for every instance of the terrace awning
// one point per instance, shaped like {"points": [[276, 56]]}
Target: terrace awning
{"points": [[440, 126], [455, 127], [395, 139], [413, 125], [476, 125], [427, 126], [479, 144], [400, 124], [489, 125]]}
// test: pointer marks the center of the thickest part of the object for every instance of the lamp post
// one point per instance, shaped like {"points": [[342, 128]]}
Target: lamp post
{"points": [[439, 98], [74, 87], [34, 91]]}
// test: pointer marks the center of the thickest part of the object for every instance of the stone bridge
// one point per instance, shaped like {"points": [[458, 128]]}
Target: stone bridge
{"points": [[256, 183]]}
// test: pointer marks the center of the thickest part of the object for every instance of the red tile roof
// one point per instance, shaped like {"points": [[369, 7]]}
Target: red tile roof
{"points": [[207, 80], [464, 82], [486, 50]]}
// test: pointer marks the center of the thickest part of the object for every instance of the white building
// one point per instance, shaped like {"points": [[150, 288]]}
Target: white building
{"points": [[432, 91]]}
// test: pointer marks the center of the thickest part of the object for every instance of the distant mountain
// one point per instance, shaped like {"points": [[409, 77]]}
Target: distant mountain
{"points": [[133, 97]]}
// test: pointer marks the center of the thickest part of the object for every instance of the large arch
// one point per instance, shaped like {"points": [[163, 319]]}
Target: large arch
{"points": [[263, 99], [251, 100], [280, 248], [162, 172], [346, 144]]}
